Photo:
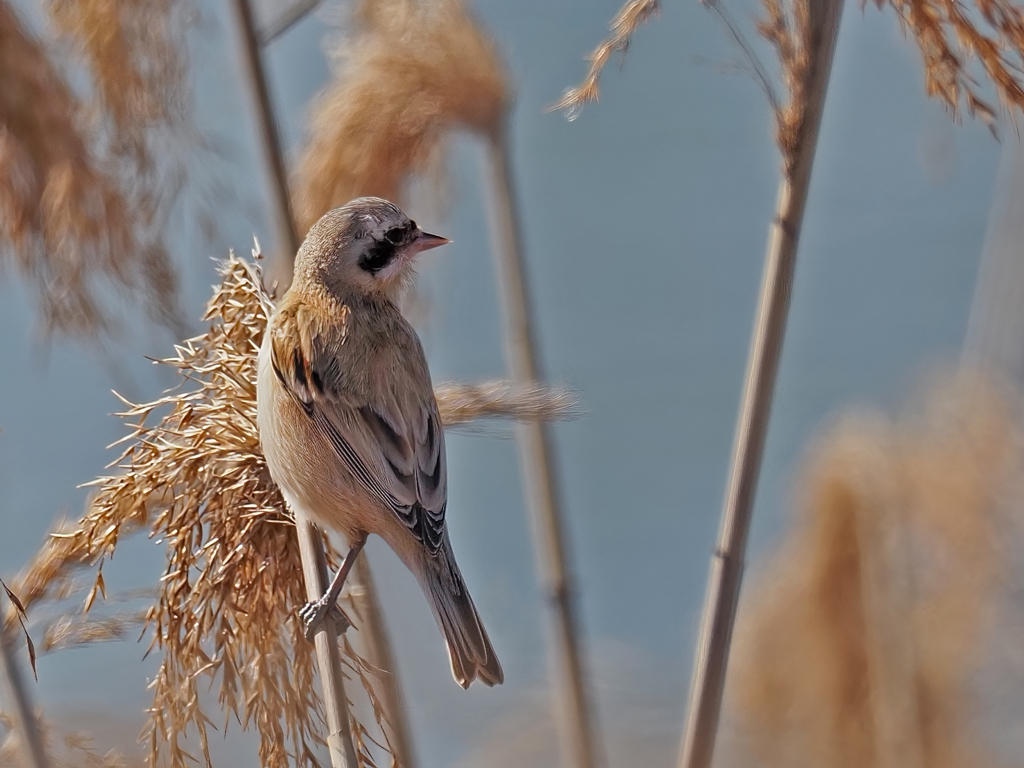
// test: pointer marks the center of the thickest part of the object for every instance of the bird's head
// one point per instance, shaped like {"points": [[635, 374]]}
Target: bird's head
{"points": [[366, 246]]}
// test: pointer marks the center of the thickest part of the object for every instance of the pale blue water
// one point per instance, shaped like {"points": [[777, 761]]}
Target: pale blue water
{"points": [[645, 223]]}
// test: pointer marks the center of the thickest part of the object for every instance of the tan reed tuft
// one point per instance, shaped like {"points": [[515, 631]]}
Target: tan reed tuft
{"points": [[953, 36], [787, 27], [82, 195], [861, 643], [438, 71], [64, 750], [632, 15], [194, 477], [136, 53]]}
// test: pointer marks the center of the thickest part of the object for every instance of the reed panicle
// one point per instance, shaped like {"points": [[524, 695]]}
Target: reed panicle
{"points": [[633, 14], [412, 72], [193, 476], [928, 501], [958, 41], [135, 51], [85, 186]]}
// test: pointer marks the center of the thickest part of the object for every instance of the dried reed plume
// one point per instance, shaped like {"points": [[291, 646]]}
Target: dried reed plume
{"points": [[412, 72], [196, 479], [632, 15], [787, 27], [64, 750], [952, 36], [81, 202], [955, 39], [135, 50], [462, 403], [862, 643]]}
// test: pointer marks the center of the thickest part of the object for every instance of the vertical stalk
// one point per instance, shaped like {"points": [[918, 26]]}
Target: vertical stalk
{"points": [[539, 475], [33, 749], [314, 561], [752, 426], [377, 648], [269, 141], [314, 567]]}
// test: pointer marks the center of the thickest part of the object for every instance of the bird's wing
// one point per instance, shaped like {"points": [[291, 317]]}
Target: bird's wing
{"points": [[391, 441]]}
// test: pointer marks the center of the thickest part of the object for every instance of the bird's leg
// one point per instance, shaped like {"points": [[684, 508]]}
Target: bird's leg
{"points": [[314, 613]]}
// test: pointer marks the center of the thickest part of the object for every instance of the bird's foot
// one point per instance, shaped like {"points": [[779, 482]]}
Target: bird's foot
{"points": [[315, 613]]}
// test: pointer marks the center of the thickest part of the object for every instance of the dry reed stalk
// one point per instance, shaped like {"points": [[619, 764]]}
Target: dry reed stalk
{"points": [[536, 457], [413, 71], [818, 30], [805, 689], [633, 14], [75, 216], [194, 477]]}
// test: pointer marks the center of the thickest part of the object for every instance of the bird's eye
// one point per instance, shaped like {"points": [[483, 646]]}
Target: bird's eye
{"points": [[395, 236]]}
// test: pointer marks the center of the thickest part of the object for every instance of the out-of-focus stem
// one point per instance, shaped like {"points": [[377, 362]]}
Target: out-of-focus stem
{"points": [[755, 406], [539, 475], [21, 702], [314, 561], [377, 648], [269, 142]]}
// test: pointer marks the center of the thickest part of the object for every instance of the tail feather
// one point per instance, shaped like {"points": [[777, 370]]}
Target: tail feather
{"points": [[469, 649]]}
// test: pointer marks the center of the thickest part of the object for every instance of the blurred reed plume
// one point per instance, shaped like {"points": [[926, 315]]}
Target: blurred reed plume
{"points": [[64, 750], [413, 71], [85, 185], [193, 475], [136, 54], [861, 644], [462, 403]]}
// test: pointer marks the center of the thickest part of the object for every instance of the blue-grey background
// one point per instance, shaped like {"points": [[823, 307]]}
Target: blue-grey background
{"points": [[645, 224]]}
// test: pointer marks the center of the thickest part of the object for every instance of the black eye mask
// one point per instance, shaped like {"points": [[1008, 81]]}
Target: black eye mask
{"points": [[377, 256]]}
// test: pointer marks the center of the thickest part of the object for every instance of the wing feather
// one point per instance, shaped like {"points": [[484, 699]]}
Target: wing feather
{"points": [[393, 445]]}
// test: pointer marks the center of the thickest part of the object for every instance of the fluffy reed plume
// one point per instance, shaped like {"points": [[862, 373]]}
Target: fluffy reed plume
{"points": [[462, 403], [413, 71], [80, 210], [193, 476], [75, 631], [135, 51], [632, 15], [862, 643], [64, 750]]}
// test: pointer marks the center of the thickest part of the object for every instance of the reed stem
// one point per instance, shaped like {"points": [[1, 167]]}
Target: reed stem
{"points": [[755, 406], [540, 478], [33, 750], [314, 561]]}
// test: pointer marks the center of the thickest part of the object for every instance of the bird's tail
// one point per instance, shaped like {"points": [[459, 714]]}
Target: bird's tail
{"points": [[469, 648]]}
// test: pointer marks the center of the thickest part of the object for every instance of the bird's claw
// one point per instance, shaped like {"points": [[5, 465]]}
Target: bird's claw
{"points": [[313, 615]]}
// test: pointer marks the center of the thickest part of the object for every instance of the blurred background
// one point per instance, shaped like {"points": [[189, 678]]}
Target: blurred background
{"points": [[644, 223]]}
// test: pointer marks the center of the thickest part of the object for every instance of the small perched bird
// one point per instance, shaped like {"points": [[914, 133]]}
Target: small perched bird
{"points": [[348, 421]]}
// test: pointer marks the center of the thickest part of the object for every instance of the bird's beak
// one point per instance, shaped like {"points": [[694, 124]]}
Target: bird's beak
{"points": [[424, 241]]}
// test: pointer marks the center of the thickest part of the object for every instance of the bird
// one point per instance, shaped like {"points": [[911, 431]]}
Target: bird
{"points": [[347, 418]]}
